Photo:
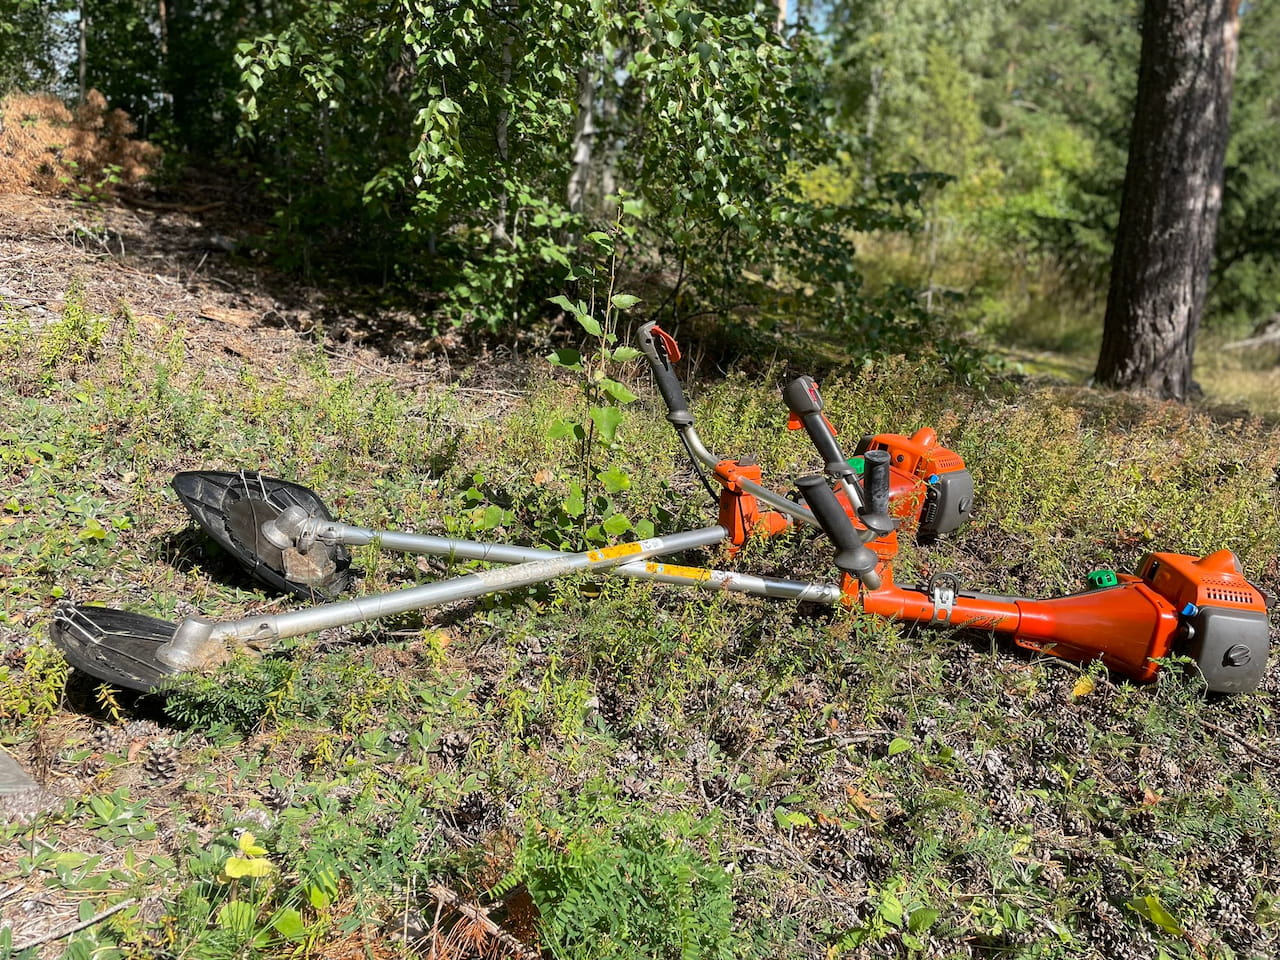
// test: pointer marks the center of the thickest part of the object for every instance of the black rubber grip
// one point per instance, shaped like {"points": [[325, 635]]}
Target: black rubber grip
{"points": [[852, 555], [665, 376], [803, 399], [875, 491]]}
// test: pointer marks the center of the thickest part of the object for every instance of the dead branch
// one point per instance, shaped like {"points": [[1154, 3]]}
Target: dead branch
{"points": [[480, 916]]}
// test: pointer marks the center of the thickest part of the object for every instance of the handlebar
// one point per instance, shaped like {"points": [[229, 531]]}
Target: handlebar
{"points": [[660, 348], [852, 554], [805, 403]]}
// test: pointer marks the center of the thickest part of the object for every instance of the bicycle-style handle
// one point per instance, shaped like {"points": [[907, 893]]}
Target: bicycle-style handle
{"points": [[852, 555], [661, 350], [804, 401]]}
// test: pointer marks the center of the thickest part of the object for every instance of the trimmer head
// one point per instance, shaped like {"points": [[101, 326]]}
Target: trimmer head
{"points": [[112, 645], [232, 507]]}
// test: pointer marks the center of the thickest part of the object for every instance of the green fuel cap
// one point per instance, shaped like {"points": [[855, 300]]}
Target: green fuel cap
{"points": [[1102, 578], [858, 464]]}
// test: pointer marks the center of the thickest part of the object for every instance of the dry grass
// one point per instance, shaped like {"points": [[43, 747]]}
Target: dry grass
{"points": [[49, 149]]}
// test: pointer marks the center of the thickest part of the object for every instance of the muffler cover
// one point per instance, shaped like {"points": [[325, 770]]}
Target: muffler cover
{"points": [[1230, 647]]}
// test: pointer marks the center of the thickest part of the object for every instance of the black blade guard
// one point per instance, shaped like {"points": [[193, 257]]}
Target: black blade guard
{"points": [[232, 507], [112, 645]]}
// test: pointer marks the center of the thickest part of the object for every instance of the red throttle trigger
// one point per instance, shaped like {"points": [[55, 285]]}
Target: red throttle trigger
{"points": [[795, 423], [815, 405], [669, 345]]}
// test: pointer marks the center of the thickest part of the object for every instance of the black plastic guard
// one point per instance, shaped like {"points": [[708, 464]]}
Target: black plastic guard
{"points": [[1230, 647], [113, 645], [232, 507]]}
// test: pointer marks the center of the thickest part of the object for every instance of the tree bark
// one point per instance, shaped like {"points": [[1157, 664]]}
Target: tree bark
{"points": [[584, 133], [1172, 196], [82, 51]]}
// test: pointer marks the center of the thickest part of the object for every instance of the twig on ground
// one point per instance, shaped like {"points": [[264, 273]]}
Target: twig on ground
{"points": [[481, 916], [76, 928], [175, 207], [1253, 748]]}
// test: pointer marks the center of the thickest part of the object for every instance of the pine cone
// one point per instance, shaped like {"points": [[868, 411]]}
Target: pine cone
{"points": [[142, 729], [274, 798], [485, 691], [110, 740], [162, 764], [454, 746], [1007, 810], [613, 707], [397, 739], [472, 810]]}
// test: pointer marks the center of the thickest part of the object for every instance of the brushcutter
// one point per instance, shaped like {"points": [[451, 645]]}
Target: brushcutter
{"points": [[285, 536]]}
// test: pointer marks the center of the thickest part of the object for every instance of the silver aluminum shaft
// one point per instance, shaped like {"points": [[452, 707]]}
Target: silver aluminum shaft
{"points": [[330, 531], [198, 642], [776, 500]]}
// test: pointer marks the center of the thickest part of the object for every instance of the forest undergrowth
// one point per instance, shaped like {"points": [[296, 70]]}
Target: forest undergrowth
{"points": [[603, 767]]}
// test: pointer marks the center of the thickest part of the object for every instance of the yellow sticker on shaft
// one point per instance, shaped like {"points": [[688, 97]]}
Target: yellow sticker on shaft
{"points": [[609, 553], [691, 573]]}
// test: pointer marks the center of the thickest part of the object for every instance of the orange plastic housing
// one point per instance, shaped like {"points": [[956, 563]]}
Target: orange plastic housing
{"points": [[1128, 626], [1212, 581], [918, 455], [740, 512]]}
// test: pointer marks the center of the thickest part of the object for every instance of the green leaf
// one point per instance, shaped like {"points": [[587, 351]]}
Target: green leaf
{"points": [[891, 908], [560, 429], [288, 923], [318, 897], [589, 324], [565, 357], [898, 745], [644, 529], [606, 420], [249, 846], [623, 301], [1150, 908], [619, 391], [237, 867], [786, 819], [237, 915], [625, 354], [614, 479], [616, 525], [575, 505], [922, 919]]}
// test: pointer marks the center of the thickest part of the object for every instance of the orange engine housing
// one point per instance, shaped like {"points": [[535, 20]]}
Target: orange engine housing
{"points": [[1200, 606]]}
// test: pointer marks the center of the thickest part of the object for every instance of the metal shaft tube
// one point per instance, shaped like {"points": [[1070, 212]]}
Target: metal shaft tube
{"points": [[329, 531], [260, 630], [775, 500]]}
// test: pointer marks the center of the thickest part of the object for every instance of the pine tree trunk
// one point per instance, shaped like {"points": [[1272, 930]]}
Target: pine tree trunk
{"points": [[1172, 196]]}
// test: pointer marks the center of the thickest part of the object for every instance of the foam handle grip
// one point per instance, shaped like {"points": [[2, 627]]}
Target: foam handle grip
{"points": [[803, 399], [664, 376], [852, 556]]}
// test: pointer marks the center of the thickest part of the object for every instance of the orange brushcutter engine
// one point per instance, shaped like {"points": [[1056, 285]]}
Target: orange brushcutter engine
{"points": [[1200, 607]]}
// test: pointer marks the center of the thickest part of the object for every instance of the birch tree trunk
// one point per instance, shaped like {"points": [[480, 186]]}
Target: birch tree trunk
{"points": [[82, 37], [1172, 196], [584, 132]]}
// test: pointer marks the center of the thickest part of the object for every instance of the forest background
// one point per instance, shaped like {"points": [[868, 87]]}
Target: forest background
{"points": [[924, 177], [334, 241]]}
